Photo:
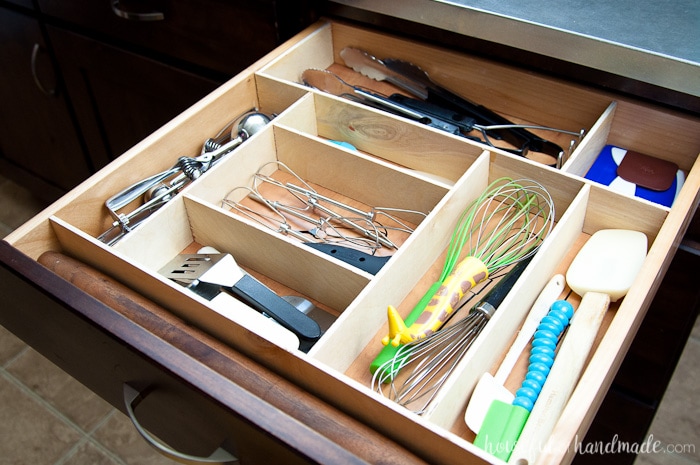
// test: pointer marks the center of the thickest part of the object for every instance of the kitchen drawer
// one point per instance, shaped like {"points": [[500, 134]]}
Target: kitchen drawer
{"points": [[199, 397], [396, 163], [192, 32]]}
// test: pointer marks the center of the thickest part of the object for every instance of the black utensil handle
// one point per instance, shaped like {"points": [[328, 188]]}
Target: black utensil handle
{"points": [[361, 260], [499, 292], [521, 138], [460, 120], [263, 299], [401, 109]]}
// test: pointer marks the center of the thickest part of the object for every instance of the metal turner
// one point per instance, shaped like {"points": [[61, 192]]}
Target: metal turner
{"points": [[210, 274]]}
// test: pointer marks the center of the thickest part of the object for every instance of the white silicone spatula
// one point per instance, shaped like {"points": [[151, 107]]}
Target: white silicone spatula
{"points": [[602, 272]]}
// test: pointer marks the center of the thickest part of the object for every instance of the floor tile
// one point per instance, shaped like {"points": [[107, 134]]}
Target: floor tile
{"points": [[677, 423], [63, 392], [663, 459], [119, 436], [17, 204], [696, 330], [87, 453], [10, 346], [30, 433]]}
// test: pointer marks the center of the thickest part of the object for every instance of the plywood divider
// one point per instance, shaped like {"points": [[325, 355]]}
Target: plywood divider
{"points": [[414, 261], [155, 242], [588, 149], [236, 169], [404, 142], [277, 95], [301, 115], [280, 259], [619, 211], [313, 51]]}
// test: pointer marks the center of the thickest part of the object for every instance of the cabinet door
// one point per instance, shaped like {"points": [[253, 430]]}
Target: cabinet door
{"points": [[37, 134], [224, 36], [120, 97]]}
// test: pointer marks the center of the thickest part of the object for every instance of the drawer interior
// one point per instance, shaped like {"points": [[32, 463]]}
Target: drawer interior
{"points": [[419, 177]]}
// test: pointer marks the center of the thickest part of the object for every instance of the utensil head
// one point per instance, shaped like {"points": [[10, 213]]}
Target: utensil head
{"points": [[487, 390], [216, 269], [608, 263], [326, 81]]}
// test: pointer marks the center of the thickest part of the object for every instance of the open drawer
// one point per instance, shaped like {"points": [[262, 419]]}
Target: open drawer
{"points": [[420, 179]]}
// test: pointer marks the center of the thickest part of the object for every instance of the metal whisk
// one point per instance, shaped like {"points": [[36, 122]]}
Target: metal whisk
{"points": [[432, 359], [503, 226]]}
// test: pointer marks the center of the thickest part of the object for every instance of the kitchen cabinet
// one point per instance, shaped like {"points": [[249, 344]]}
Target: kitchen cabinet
{"points": [[119, 97], [106, 74], [38, 138]]}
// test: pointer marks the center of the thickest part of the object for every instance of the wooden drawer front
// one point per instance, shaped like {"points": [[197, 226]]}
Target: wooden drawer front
{"points": [[198, 395], [190, 31], [400, 164]]}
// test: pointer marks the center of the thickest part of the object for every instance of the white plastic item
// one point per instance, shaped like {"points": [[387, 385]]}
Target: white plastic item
{"points": [[608, 263]]}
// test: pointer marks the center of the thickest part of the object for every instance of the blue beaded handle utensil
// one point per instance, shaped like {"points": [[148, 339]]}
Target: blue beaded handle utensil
{"points": [[602, 272], [491, 387], [504, 422]]}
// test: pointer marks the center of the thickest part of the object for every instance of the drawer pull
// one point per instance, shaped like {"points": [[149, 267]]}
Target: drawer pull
{"points": [[44, 90], [132, 398], [134, 16]]}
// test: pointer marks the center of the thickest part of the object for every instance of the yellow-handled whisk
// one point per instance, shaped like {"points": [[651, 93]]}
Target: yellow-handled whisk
{"points": [[504, 225]]}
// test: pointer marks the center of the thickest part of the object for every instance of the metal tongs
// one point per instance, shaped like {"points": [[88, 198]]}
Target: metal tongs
{"points": [[158, 189], [414, 80], [333, 84]]}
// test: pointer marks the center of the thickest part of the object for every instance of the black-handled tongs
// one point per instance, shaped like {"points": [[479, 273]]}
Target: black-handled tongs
{"points": [[414, 80], [331, 83]]}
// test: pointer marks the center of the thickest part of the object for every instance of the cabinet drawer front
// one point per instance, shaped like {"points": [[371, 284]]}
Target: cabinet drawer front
{"points": [[193, 32], [198, 394], [425, 178]]}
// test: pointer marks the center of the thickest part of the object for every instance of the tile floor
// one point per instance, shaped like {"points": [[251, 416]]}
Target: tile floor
{"points": [[48, 418]]}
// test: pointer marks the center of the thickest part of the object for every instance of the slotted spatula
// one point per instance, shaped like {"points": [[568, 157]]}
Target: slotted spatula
{"points": [[210, 274]]}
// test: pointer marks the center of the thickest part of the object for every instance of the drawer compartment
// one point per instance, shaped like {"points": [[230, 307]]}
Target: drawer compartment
{"points": [[408, 184]]}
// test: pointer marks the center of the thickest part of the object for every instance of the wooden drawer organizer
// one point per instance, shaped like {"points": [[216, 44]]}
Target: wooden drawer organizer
{"points": [[400, 164]]}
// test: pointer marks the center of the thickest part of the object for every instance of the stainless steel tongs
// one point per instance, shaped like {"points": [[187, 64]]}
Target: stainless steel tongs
{"points": [[414, 80]]}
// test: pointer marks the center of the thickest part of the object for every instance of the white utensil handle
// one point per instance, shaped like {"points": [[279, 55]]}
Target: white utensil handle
{"points": [[566, 370], [547, 297], [235, 310]]}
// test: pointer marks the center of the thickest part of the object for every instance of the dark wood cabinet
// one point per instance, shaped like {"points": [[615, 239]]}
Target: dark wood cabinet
{"points": [[119, 97], [38, 139], [83, 81], [218, 37]]}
